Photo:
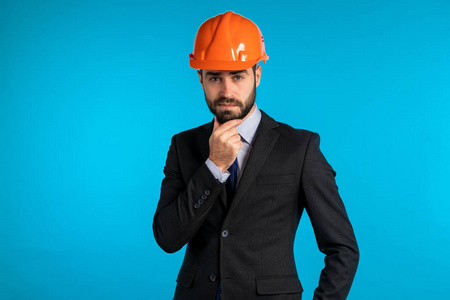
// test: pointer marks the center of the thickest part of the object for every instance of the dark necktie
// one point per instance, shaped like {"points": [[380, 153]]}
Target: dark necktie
{"points": [[232, 181]]}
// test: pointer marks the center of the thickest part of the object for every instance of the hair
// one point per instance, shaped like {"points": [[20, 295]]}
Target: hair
{"points": [[255, 66]]}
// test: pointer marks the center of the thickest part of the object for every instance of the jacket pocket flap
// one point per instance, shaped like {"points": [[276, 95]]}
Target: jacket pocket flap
{"points": [[185, 277], [278, 285]]}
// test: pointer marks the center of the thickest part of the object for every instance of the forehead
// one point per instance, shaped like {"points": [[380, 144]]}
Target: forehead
{"points": [[225, 72]]}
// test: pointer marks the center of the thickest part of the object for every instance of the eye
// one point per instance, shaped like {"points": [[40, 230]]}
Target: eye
{"points": [[214, 79], [238, 77]]}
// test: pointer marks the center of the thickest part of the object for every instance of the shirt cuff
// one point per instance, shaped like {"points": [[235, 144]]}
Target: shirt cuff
{"points": [[217, 173]]}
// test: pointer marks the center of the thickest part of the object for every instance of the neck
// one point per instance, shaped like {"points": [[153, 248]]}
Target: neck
{"points": [[250, 112]]}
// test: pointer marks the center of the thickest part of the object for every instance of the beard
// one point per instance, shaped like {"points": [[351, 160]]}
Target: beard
{"points": [[227, 115]]}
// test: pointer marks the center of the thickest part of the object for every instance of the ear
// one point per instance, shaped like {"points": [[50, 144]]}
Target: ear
{"points": [[258, 75], [199, 72]]}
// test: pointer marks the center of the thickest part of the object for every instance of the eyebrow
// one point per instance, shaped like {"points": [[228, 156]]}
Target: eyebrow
{"points": [[210, 73], [238, 72]]}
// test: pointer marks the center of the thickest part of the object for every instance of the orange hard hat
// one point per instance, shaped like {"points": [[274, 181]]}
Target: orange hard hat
{"points": [[227, 42]]}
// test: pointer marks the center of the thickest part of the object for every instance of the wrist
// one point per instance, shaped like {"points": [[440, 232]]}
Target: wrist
{"points": [[222, 167]]}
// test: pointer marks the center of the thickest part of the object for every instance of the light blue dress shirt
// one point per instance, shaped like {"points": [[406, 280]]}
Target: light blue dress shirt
{"points": [[247, 131]]}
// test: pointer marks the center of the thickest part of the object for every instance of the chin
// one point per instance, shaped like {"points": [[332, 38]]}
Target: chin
{"points": [[228, 117]]}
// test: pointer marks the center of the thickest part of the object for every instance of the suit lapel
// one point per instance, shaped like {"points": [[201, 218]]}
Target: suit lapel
{"points": [[265, 139]]}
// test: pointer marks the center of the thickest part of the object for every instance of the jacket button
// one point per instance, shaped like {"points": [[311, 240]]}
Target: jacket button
{"points": [[212, 277], [204, 197], [225, 233], [200, 201], [196, 205], [207, 192]]}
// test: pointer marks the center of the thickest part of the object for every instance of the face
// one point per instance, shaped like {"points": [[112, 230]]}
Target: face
{"points": [[230, 94]]}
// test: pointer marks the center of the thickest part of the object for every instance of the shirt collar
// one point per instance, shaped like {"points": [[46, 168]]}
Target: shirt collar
{"points": [[247, 129]]}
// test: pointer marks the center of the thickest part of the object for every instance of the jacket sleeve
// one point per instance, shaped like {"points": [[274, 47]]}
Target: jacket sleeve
{"points": [[332, 228], [184, 203]]}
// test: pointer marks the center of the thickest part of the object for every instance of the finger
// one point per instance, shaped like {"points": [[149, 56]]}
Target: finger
{"points": [[239, 145], [232, 123], [229, 124], [234, 139], [227, 134], [236, 148]]}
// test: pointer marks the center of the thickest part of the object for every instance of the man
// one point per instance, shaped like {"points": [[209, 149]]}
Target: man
{"points": [[235, 189]]}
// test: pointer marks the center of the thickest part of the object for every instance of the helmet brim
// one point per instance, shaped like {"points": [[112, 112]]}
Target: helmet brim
{"points": [[223, 65]]}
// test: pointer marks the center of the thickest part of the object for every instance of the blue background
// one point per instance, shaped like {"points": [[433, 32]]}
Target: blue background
{"points": [[92, 91]]}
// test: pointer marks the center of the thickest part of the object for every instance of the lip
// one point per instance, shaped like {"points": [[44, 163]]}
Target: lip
{"points": [[227, 105]]}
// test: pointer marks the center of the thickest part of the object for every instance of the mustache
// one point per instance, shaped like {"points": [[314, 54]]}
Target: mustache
{"points": [[226, 100]]}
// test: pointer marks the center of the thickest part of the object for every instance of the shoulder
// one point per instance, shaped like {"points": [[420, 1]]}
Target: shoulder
{"points": [[194, 134], [195, 131], [297, 138], [288, 137], [290, 132], [294, 132]]}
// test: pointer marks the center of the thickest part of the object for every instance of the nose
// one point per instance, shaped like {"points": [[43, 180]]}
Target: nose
{"points": [[227, 88]]}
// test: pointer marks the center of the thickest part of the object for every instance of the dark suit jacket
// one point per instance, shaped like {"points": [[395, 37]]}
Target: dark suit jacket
{"points": [[248, 246]]}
